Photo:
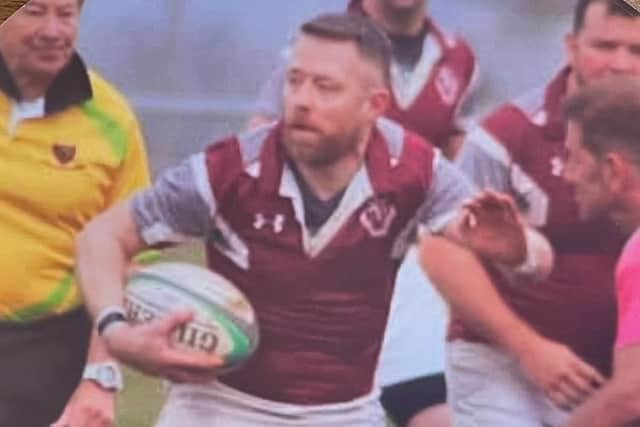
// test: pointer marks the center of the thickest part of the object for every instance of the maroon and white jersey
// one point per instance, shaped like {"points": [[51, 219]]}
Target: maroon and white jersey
{"points": [[321, 298], [430, 99], [519, 149]]}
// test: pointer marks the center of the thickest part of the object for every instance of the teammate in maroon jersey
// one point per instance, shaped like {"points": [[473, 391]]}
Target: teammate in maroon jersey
{"points": [[308, 217], [603, 145], [432, 79], [563, 347], [432, 73]]}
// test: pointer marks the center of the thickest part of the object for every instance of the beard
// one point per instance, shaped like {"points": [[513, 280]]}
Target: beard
{"points": [[317, 149], [580, 79], [400, 11]]}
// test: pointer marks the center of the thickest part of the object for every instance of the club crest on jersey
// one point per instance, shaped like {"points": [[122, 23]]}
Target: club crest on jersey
{"points": [[377, 217], [447, 85], [276, 223], [63, 153]]}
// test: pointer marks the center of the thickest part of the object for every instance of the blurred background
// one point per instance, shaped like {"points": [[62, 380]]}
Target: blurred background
{"points": [[192, 68]]}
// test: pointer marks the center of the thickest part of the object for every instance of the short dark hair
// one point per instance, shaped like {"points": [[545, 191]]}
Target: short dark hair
{"points": [[373, 44], [614, 7], [608, 111]]}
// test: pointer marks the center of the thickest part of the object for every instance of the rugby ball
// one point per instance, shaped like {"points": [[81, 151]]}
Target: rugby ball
{"points": [[224, 323]]}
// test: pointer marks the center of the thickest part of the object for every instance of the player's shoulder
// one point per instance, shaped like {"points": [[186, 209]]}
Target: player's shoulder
{"points": [[400, 140], [510, 122], [241, 152], [453, 42], [108, 100]]}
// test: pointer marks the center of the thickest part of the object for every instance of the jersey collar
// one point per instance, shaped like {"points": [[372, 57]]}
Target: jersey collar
{"points": [[70, 87], [377, 162], [555, 95]]}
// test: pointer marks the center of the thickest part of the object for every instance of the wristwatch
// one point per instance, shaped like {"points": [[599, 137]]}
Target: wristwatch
{"points": [[107, 375]]}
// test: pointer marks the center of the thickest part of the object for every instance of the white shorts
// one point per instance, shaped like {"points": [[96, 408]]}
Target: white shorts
{"points": [[486, 388], [414, 340], [217, 405]]}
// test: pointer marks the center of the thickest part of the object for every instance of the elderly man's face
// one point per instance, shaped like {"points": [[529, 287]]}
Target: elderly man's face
{"points": [[39, 39]]}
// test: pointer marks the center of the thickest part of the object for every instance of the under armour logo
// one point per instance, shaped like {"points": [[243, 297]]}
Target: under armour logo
{"points": [[557, 166], [276, 223]]}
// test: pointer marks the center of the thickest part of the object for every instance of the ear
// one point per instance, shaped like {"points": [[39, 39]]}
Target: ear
{"points": [[379, 101], [616, 172], [571, 47]]}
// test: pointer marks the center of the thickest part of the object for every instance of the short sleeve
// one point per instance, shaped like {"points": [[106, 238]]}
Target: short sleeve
{"points": [[178, 206], [449, 189]]}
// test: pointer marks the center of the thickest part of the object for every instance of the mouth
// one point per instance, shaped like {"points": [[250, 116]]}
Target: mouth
{"points": [[302, 127]]}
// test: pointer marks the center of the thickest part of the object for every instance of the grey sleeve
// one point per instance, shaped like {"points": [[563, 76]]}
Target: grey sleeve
{"points": [[449, 190], [485, 161], [489, 165], [270, 98], [179, 205]]}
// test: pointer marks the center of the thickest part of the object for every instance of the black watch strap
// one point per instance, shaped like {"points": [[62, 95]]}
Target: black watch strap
{"points": [[108, 319]]}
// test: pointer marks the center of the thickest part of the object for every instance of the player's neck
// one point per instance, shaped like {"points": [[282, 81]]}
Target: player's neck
{"points": [[394, 23], [328, 180]]}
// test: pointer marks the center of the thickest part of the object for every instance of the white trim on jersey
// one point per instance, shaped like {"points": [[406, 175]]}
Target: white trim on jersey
{"points": [[463, 117], [358, 191], [407, 85], [233, 247], [161, 233], [198, 164], [394, 135]]}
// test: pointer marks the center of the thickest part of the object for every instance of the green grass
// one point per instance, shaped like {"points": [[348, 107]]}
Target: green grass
{"points": [[140, 401]]}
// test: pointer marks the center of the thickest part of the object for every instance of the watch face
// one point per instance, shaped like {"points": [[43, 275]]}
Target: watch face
{"points": [[107, 375]]}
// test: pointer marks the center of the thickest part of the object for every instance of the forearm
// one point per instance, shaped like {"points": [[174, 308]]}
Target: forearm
{"points": [[618, 403], [97, 350], [611, 407], [103, 251], [464, 283], [100, 269]]}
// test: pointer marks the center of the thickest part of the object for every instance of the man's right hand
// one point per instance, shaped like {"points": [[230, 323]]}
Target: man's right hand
{"points": [[564, 377], [149, 348]]}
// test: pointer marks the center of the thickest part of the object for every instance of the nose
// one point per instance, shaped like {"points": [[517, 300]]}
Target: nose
{"points": [[51, 27], [301, 95]]}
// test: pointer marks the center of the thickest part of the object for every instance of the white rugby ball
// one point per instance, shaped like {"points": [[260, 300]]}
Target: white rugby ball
{"points": [[224, 323]]}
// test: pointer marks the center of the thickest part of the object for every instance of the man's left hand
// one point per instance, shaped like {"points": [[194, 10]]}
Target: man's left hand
{"points": [[492, 227], [90, 406]]}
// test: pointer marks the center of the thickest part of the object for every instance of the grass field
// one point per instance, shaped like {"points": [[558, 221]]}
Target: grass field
{"points": [[141, 400]]}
